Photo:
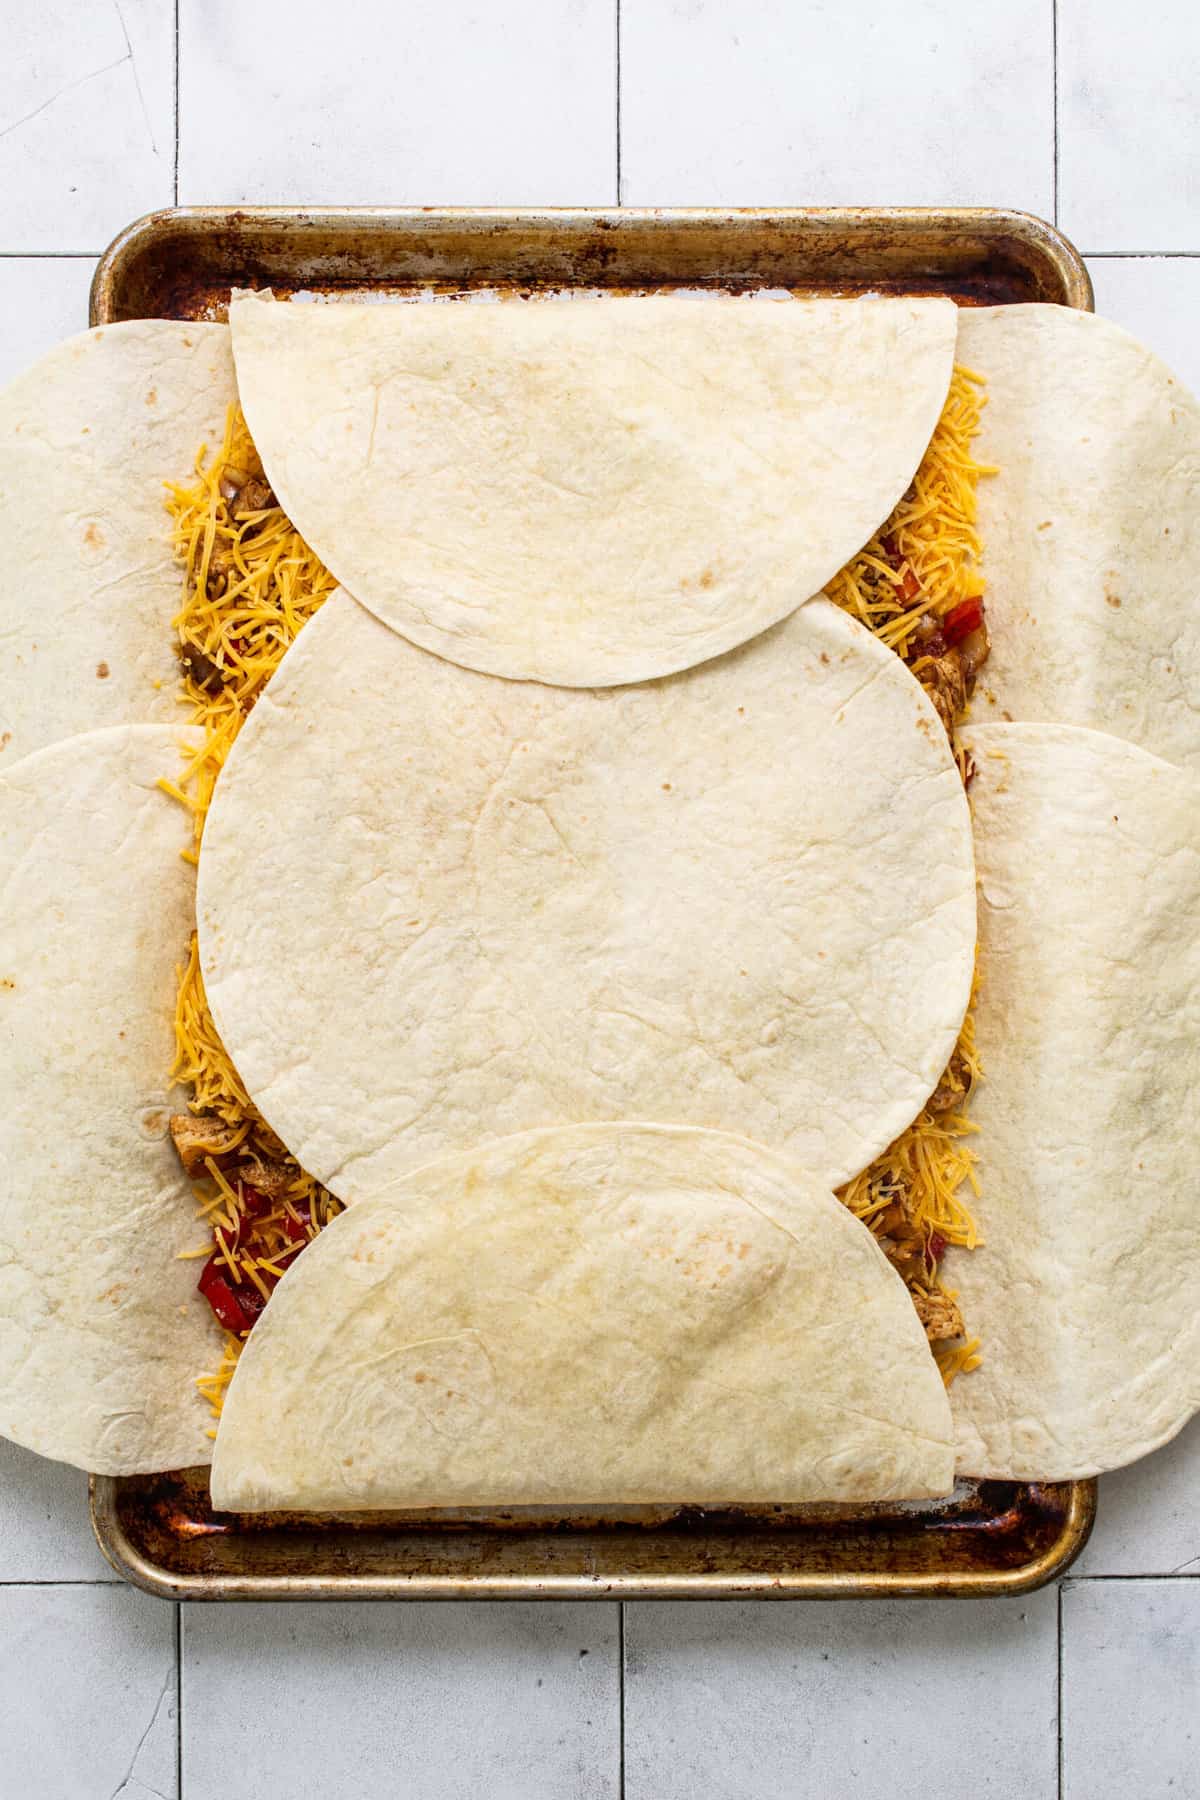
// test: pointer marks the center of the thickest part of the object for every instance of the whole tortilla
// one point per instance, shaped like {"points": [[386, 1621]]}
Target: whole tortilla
{"points": [[1090, 529], [433, 905], [1086, 1294], [88, 581], [600, 1314], [101, 1329], [589, 492]]}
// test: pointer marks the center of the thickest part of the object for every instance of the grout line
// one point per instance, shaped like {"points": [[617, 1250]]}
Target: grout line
{"points": [[48, 255], [1141, 255], [1054, 96], [1166, 1575], [621, 1695], [1059, 1686], [178, 1701], [85, 1581], [177, 102], [618, 7]]}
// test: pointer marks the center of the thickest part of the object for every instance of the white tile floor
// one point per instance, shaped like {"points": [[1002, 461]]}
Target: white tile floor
{"points": [[1082, 109]]}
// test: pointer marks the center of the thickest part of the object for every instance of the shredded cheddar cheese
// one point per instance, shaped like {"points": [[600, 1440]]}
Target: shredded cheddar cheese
{"points": [[926, 559], [250, 586], [923, 562]]}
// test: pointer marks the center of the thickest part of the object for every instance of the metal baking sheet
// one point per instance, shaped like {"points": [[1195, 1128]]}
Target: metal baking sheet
{"points": [[990, 1537], [182, 263]]}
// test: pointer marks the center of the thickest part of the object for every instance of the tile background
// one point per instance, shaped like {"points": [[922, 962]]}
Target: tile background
{"points": [[1082, 110]]}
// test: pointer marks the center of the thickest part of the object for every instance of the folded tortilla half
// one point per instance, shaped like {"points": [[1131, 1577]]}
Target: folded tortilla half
{"points": [[434, 905], [598, 1314], [1086, 1292], [1091, 529], [590, 492], [101, 1329], [88, 579]]}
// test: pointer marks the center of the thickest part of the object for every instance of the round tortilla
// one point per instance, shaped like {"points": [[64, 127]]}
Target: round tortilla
{"points": [[101, 1329], [1090, 529], [88, 581], [600, 1314], [589, 492], [1086, 1293], [434, 906]]}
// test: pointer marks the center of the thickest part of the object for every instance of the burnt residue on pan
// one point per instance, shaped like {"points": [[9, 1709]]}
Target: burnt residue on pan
{"points": [[183, 263], [999, 1537]]}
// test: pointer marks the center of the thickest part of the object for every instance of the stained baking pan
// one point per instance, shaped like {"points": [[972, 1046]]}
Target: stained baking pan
{"points": [[989, 1537]]}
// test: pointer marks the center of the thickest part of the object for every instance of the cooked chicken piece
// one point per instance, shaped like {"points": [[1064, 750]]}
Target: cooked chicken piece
{"points": [[902, 1242], [220, 568], [939, 1315], [943, 679], [953, 1088], [270, 1178], [975, 650], [253, 496], [197, 1137]]}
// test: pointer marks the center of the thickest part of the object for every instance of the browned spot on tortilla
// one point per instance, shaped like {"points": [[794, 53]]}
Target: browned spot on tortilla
{"points": [[93, 537], [102, 671], [152, 396], [1045, 524], [707, 579], [6, 740], [8, 983], [1006, 716], [824, 656], [420, 1375], [666, 787], [1113, 600]]}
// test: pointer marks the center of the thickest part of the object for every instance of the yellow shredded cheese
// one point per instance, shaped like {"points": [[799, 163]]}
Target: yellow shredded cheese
{"points": [[931, 534], [931, 537], [250, 585]]}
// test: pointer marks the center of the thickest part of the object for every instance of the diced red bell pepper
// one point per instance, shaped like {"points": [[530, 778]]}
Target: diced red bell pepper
{"points": [[962, 620], [226, 1300], [254, 1203], [935, 1249], [294, 1229], [251, 1301], [907, 588]]}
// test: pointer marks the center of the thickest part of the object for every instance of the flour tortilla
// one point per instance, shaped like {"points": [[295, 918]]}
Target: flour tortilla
{"points": [[1090, 529], [88, 581], [101, 1330], [434, 906], [600, 1314], [590, 492], [1087, 1293]]}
